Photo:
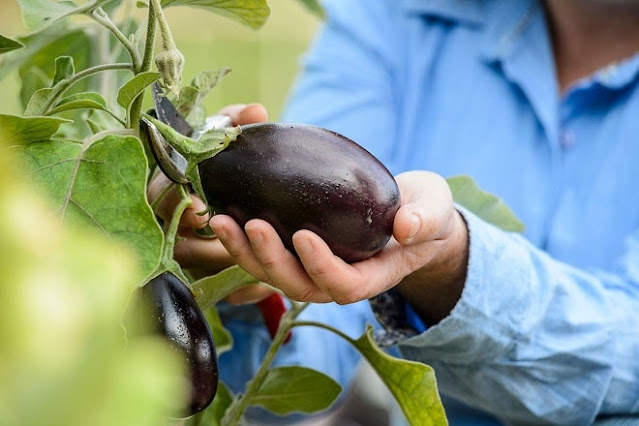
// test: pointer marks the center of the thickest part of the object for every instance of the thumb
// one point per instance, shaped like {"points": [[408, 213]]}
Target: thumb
{"points": [[427, 211]]}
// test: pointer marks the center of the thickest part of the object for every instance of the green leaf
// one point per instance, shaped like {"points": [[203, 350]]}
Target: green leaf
{"points": [[61, 342], [412, 384], [296, 389], [39, 101], [88, 100], [253, 13], [7, 45], [190, 102], [16, 130], [210, 290], [485, 205], [33, 80], [64, 69], [102, 185], [315, 7], [37, 14], [134, 87]]}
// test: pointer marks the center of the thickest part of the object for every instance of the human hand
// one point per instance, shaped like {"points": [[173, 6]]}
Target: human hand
{"points": [[429, 245]]}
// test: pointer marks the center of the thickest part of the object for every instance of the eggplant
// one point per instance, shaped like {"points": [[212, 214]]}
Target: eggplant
{"points": [[176, 316], [298, 176]]}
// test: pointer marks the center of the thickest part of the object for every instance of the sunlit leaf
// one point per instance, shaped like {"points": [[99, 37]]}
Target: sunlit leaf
{"points": [[102, 184], [15, 130], [64, 68], [253, 13], [7, 45], [296, 389], [210, 290], [485, 205], [37, 14], [412, 384]]}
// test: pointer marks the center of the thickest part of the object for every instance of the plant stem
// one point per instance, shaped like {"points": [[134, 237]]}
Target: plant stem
{"points": [[147, 61], [160, 197], [325, 327], [167, 37], [171, 230], [234, 414], [100, 16], [66, 84]]}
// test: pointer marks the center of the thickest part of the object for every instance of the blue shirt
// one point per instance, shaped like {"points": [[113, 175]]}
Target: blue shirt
{"points": [[547, 328]]}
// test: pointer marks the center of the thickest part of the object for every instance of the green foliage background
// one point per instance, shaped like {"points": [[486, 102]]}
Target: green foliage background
{"points": [[264, 62]]}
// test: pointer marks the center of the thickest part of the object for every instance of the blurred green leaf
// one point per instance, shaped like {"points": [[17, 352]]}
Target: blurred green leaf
{"points": [[88, 100], [253, 13], [102, 184], [296, 389], [15, 130], [210, 290], [37, 14], [485, 205], [315, 7], [65, 361], [412, 384], [64, 69], [32, 80], [134, 87], [7, 45]]}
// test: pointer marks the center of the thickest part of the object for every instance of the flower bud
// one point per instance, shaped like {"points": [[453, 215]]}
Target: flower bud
{"points": [[170, 64]]}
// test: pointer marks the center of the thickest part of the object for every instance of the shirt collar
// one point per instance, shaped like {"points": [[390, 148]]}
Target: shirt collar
{"points": [[618, 75], [508, 19]]}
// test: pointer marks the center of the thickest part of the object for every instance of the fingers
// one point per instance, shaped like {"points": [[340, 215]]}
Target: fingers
{"points": [[320, 276], [427, 212], [193, 252], [280, 265], [242, 114], [348, 283], [261, 253]]}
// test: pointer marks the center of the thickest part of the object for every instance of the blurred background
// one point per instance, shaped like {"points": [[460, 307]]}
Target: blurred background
{"points": [[264, 62]]}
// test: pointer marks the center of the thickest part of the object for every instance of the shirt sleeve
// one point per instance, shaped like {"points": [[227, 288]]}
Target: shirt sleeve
{"points": [[536, 341]]}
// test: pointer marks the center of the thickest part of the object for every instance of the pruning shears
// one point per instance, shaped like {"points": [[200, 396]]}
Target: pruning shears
{"points": [[173, 165]]}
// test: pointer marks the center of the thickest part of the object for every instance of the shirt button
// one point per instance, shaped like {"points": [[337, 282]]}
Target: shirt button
{"points": [[567, 139]]}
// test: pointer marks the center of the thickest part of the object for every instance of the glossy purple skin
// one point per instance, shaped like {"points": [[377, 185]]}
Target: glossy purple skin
{"points": [[179, 319], [298, 176]]}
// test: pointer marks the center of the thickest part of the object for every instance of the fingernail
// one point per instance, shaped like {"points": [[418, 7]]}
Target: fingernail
{"points": [[415, 224]]}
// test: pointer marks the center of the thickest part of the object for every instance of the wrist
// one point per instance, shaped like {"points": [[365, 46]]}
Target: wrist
{"points": [[434, 290]]}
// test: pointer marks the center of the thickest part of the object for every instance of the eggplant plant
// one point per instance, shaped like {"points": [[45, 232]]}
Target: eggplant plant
{"points": [[93, 156]]}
